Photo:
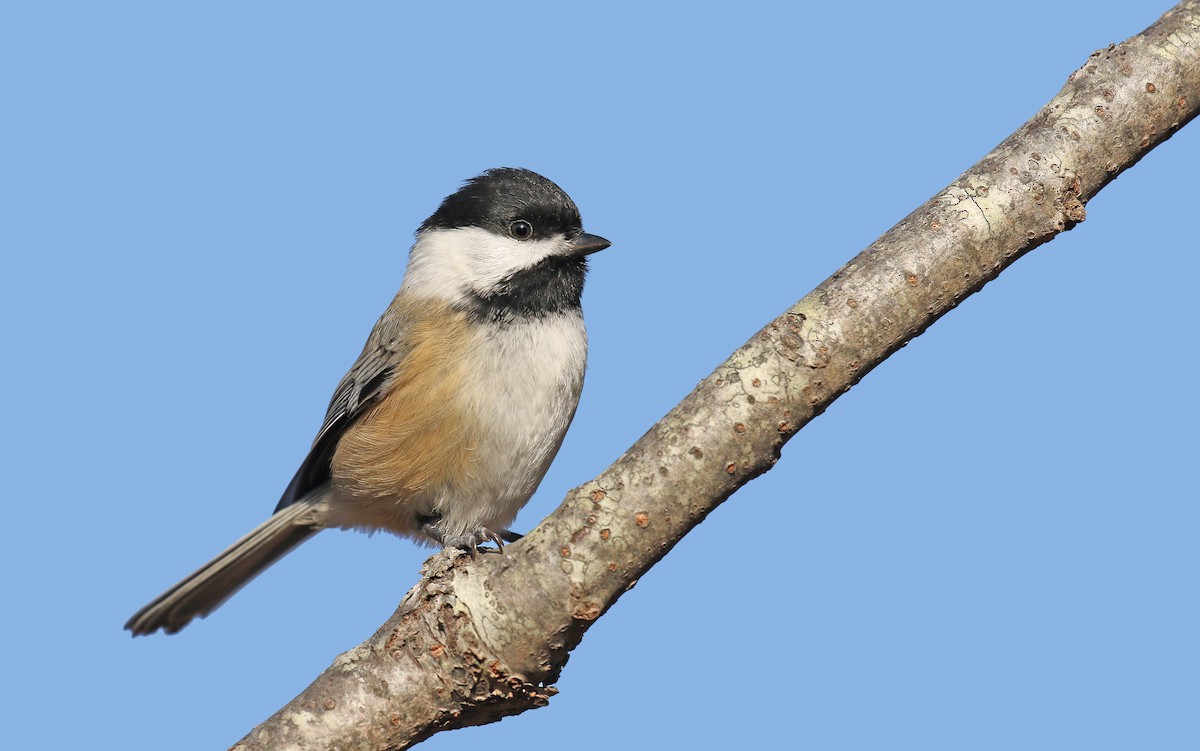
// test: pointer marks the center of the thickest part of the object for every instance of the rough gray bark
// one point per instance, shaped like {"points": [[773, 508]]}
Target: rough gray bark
{"points": [[477, 640]]}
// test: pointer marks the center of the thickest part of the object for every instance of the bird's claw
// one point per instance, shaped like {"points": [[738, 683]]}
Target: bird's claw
{"points": [[470, 541]]}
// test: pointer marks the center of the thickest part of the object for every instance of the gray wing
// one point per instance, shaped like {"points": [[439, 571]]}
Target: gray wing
{"points": [[364, 385]]}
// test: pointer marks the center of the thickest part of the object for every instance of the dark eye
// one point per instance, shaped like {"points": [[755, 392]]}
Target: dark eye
{"points": [[520, 229]]}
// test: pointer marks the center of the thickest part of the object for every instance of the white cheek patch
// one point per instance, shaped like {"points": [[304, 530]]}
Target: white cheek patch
{"points": [[451, 264], [437, 266]]}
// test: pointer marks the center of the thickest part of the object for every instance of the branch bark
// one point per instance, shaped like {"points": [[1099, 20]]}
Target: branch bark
{"points": [[478, 640]]}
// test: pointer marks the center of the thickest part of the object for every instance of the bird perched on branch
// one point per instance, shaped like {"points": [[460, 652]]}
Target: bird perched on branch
{"points": [[446, 423]]}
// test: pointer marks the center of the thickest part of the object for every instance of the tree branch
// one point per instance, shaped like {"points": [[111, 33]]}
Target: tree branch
{"points": [[478, 640]]}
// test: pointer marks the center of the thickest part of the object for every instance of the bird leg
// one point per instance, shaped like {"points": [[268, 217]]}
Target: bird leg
{"points": [[469, 541]]}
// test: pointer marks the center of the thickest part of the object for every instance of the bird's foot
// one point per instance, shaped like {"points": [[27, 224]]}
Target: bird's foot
{"points": [[470, 541]]}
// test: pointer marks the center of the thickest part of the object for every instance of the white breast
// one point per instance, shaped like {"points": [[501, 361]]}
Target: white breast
{"points": [[526, 378]]}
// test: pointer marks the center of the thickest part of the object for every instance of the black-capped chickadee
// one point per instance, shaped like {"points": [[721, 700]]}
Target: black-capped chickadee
{"points": [[450, 417]]}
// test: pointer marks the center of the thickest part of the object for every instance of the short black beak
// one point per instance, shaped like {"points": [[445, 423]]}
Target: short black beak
{"points": [[587, 244]]}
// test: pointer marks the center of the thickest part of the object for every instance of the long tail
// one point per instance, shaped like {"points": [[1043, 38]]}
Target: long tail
{"points": [[216, 581]]}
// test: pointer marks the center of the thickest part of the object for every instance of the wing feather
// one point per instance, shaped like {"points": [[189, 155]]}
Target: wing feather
{"points": [[364, 384]]}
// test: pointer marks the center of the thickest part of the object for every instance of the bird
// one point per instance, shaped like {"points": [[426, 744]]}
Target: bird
{"points": [[447, 422]]}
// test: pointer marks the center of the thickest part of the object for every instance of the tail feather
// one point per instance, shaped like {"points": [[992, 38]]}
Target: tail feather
{"points": [[216, 581]]}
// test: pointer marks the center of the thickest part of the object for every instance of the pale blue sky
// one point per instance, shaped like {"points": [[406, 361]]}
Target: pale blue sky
{"points": [[990, 543]]}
